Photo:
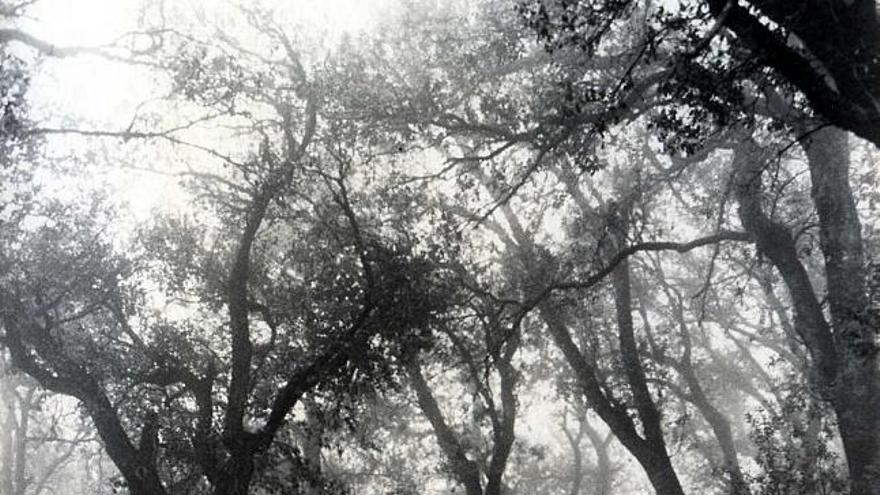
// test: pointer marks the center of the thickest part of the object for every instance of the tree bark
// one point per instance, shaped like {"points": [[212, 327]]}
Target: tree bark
{"points": [[649, 450], [67, 377], [697, 396], [723, 434], [139, 470], [574, 442]]}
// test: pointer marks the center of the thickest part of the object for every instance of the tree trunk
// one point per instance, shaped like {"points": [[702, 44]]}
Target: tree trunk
{"points": [[465, 470], [504, 421], [721, 429], [25, 404], [574, 442], [696, 394], [657, 463], [139, 471], [311, 445], [857, 416], [238, 473], [604, 469], [650, 449], [7, 439]]}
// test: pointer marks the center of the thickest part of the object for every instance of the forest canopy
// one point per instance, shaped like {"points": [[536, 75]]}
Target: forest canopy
{"points": [[491, 247]]}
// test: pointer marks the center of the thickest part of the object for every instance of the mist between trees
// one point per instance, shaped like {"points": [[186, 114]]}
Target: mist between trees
{"points": [[417, 247]]}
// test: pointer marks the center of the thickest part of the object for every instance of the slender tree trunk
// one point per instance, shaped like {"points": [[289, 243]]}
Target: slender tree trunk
{"points": [[696, 394], [311, 446], [21, 460], [504, 421], [465, 470], [42, 484], [140, 471], [716, 419], [100, 472], [723, 434], [604, 469], [7, 441], [656, 461], [574, 442], [238, 470], [648, 449]]}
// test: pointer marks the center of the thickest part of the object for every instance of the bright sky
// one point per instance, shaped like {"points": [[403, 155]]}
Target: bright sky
{"points": [[95, 89], [91, 22], [99, 94]]}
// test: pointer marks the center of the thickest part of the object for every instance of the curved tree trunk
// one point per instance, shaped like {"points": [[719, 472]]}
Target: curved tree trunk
{"points": [[649, 450], [574, 442], [657, 463], [695, 393], [465, 470], [604, 468]]}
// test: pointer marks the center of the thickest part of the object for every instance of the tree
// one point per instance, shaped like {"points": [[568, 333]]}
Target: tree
{"points": [[339, 319], [40, 439], [487, 348], [833, 62], [604, 471], [843, 349], [677, 59], [824, 51], [820, 65]]}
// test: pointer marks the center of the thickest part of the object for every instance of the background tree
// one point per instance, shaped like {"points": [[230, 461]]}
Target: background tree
{"points": [[89, 332]]}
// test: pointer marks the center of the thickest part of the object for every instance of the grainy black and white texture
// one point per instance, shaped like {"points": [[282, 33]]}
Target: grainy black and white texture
{"points": [[491, 247]]}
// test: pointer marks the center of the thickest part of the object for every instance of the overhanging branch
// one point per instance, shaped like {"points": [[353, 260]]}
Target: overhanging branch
{"points": [[680, 247]]}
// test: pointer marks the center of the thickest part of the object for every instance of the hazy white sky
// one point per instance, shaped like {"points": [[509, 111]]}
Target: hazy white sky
{"points": [[89, 22], [92, 88], [91, 92]]}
